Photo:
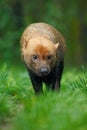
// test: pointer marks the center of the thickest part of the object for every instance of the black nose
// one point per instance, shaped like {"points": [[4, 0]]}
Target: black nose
{"points": [[44, 70]]}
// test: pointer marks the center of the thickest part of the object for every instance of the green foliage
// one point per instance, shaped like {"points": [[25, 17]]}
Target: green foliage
{"points": [[67, 16], [54, 111], [80, 84], [20, 109], [9, 35], [11, 93], [54, 15]]}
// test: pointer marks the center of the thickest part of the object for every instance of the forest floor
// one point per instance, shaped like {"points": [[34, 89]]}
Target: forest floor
{"points": [[20, 109]]}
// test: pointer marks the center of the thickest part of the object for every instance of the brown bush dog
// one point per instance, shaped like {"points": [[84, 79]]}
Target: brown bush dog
{"points": [[42, 50]]}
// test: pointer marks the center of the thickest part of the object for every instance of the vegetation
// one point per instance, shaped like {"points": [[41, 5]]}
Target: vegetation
{"points": [[67, 16], [20, 109]]}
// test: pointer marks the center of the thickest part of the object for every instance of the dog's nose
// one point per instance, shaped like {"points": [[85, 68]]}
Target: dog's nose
{"points": [[44, 70]]}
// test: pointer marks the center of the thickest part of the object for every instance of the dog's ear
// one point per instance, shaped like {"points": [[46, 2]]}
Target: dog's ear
{"points": [[56, 45]]}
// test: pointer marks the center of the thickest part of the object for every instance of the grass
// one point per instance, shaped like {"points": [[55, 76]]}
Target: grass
{"points": [[20, 109]]}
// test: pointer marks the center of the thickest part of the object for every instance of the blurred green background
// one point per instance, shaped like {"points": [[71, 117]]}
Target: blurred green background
{"points": [[69, 16]]}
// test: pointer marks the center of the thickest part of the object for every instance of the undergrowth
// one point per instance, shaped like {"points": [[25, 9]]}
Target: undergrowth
{"points": [[20, 109]]}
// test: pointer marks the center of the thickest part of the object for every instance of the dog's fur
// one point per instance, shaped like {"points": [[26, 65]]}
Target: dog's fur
{"points": [[43, 48]]}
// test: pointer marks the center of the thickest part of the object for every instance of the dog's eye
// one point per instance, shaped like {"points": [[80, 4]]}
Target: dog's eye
{"points": [[49, 57], [34, 57]]}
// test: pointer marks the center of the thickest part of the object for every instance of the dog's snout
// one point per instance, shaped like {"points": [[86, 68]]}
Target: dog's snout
{"points": [[44, 70]]}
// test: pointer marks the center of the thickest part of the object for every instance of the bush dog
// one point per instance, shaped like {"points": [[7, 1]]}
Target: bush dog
{"points": [[42, 50]]}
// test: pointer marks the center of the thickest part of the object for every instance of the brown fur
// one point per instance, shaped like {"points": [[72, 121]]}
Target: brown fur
{"points": [[42, 46]]}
